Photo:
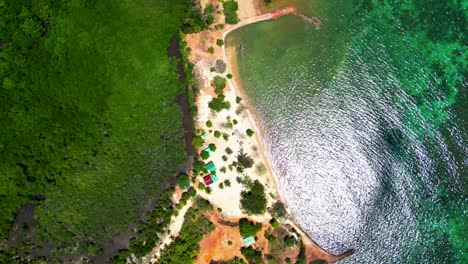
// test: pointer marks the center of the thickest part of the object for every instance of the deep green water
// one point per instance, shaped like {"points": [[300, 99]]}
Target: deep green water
{"points": [[365, 121]]}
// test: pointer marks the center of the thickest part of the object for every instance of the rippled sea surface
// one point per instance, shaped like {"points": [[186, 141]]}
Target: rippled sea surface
{"points": [[365, 121]]}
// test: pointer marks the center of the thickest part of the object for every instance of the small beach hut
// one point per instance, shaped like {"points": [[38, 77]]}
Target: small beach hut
{"points": [[207, 180], [207, 149], [210, 167], [214, 178], [250, 240]]}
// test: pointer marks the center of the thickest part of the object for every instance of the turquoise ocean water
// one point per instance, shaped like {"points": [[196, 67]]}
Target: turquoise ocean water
{"points": [[365, 121]]}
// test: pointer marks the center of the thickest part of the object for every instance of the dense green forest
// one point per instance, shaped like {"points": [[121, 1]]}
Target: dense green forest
{"points": [[88, 113]]}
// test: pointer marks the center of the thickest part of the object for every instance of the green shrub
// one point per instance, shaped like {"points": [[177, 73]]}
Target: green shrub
{"points": [[227, 183], [202, 204], [205, 155], [279, 210], [230, 11], [249, 132], [244, 160], [221, 185], [219, 84], [235, 122], [223, 169], [253, 200], [209, 123], [219, 42], [289, 241], [183, 180], [192, 192], [208, 190], [198, 142], [271, 238], [252, 255], [202, 187], [217, 134], [248, 228], [229, 76], [212, 147], [225, 136], [238, 99], [198, 166], [211, 50], [274, 223], [228, 151], [218, 104], [219, 26]]}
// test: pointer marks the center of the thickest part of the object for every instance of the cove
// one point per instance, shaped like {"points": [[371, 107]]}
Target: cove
{"points": [[363, 121]]}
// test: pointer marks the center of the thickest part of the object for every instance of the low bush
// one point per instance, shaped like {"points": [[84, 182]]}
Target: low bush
{"points": [[183, 181], [248, 228], [218, 104], [253, 200], [230, 11]]}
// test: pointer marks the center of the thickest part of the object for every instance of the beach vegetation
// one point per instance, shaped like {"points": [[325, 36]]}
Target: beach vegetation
{"points": [[274, 223], [208, 16], [202, 187], [279, 210], [212, 147], [198, 166], [227, 183], [271, 239], [249, 132], [221, 185], [208, 190], [219, 83], [217, 134], [185, 247], [230, 8], [223, 169], [183, 180], [224, 157], [238, 99], [301, 257], [202, 204], [198, 142], [253, 200], [220, 66], [235, 122], [229, 76], [253, 256], [240, 109], [235, 260], [225, 136], [209, 123], [204, 155], [211, 50], [212, 69], [248, 228], [219, 42], [219, 26], [228, 151], [244, 160], [218, 104], [289, 241]]}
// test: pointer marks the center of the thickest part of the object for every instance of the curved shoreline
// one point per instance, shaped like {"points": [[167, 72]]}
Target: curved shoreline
{"points": [[204, 60], [236, 84]]}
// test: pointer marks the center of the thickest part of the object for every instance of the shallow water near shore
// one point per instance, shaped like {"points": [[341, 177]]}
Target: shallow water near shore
{"points": [[366, 133]]}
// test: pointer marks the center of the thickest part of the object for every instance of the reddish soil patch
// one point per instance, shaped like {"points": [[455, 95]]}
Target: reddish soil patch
{"points": [[215, 246]]}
